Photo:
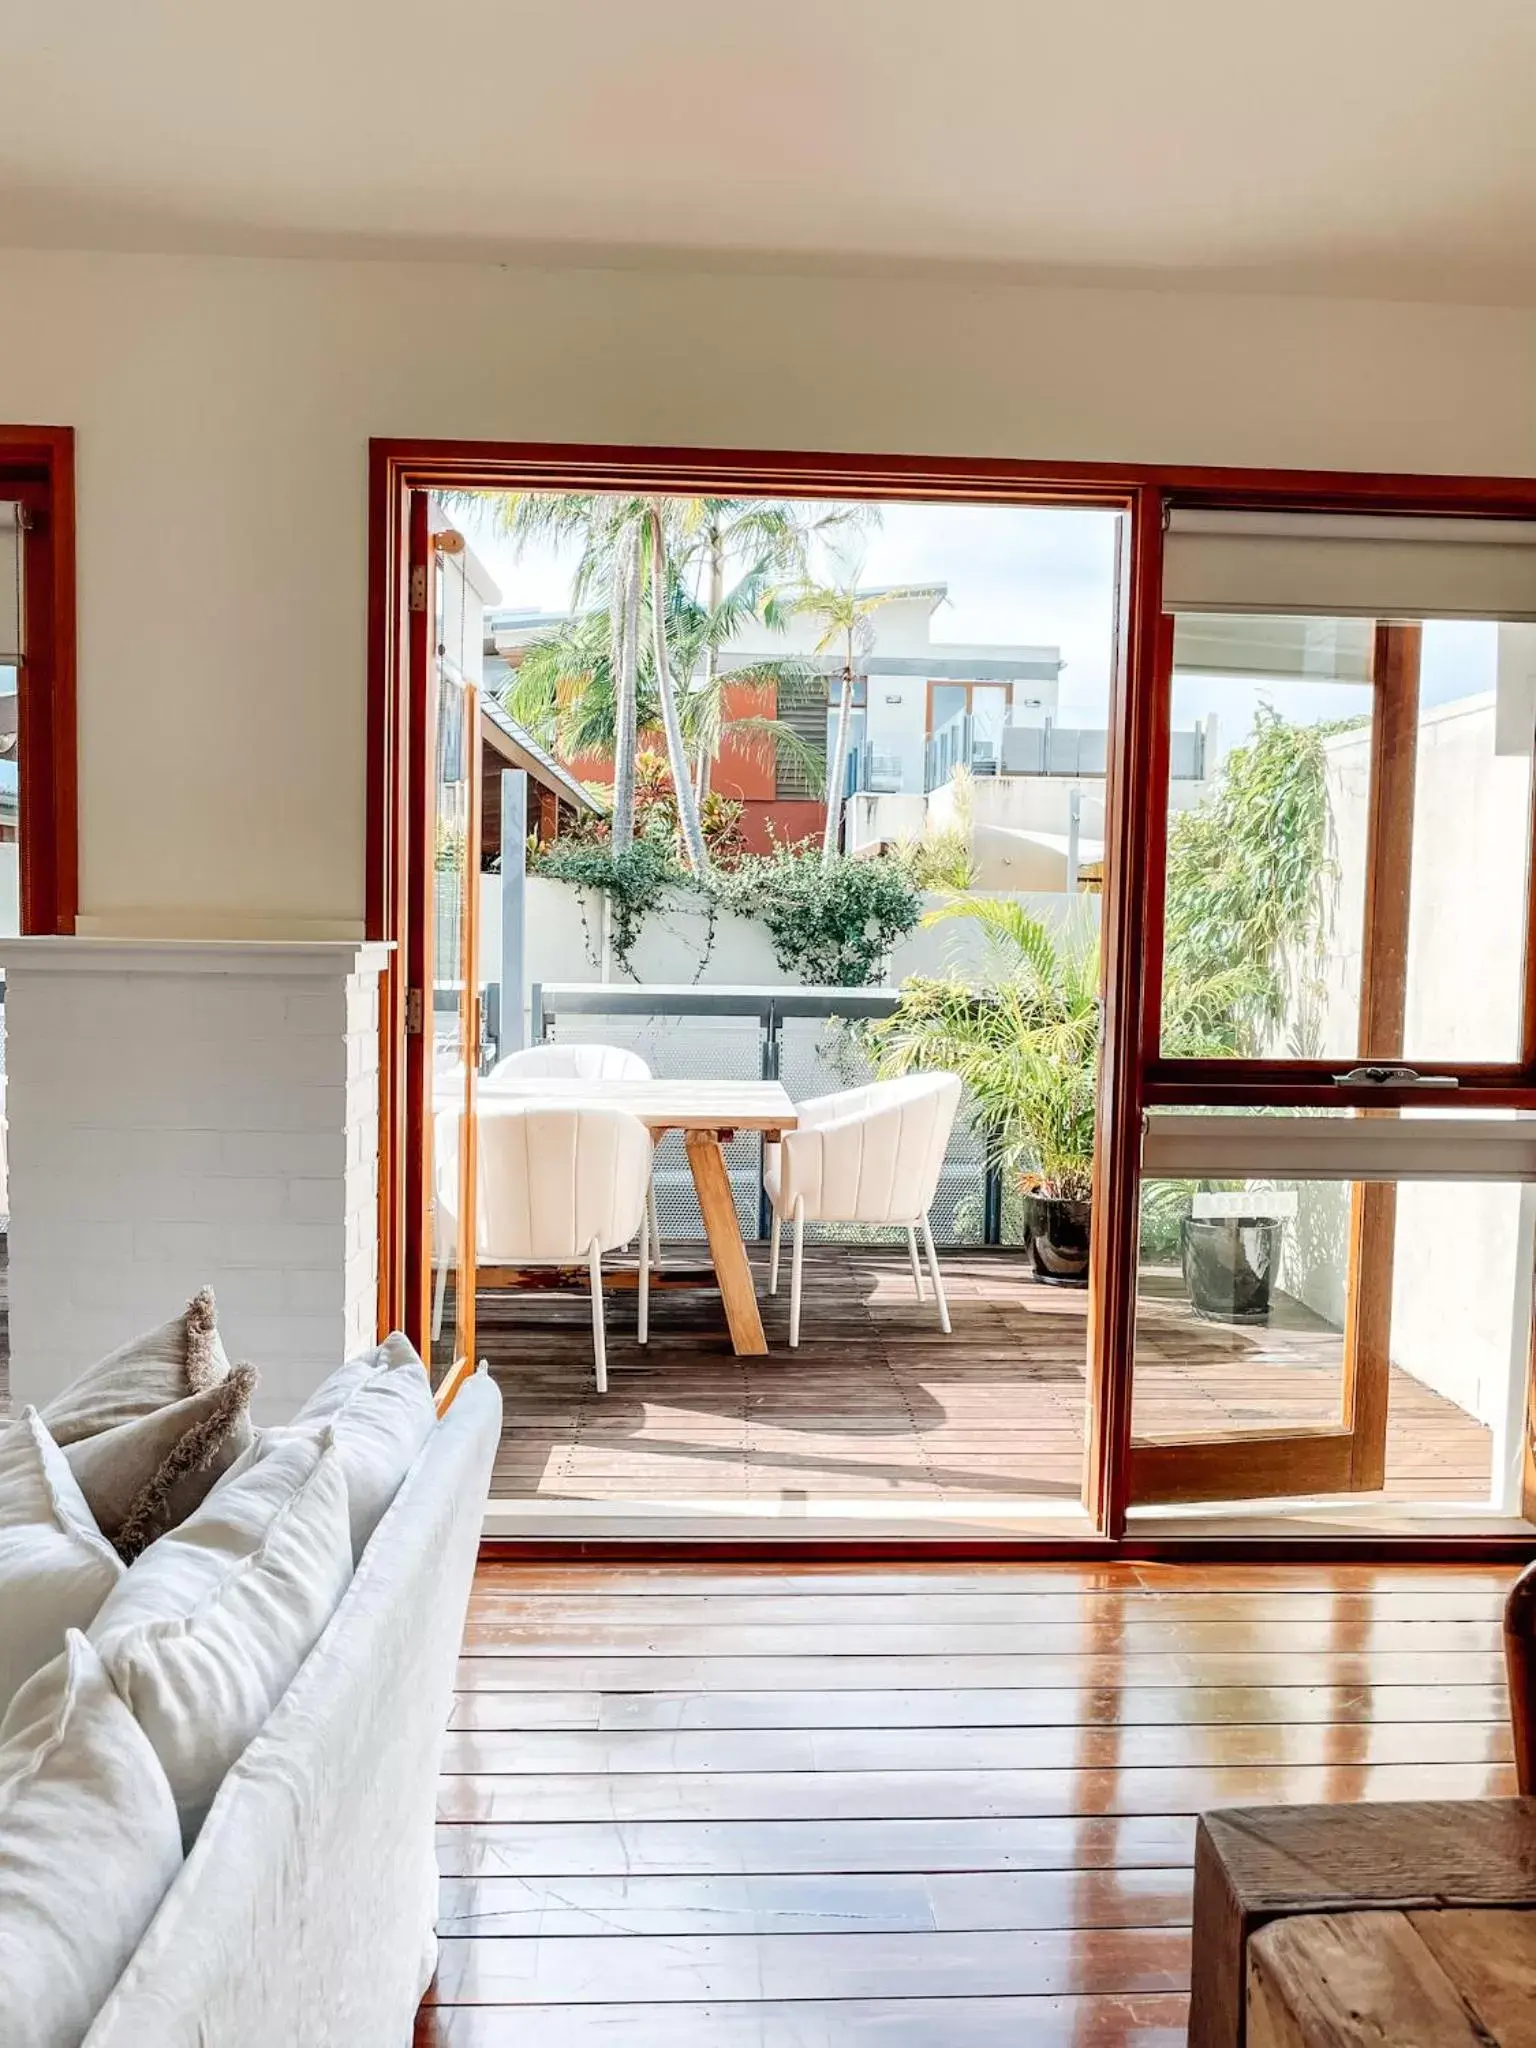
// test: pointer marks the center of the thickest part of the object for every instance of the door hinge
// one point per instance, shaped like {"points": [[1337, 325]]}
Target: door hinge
{"points": [[418, 590], [415, 1013]]}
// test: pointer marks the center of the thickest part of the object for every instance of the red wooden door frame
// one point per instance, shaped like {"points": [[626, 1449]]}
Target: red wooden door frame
{"points": [[1135, 830], [37, 470]]}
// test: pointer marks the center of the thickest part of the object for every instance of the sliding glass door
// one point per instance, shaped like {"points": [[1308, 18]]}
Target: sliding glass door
{"points": [[1335, 1241], [442, 1020]]}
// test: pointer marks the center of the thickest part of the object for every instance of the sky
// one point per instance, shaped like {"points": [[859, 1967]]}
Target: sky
{"points": [[1036, 575]]}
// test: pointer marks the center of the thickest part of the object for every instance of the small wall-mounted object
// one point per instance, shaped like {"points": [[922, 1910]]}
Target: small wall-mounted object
{"points": [[894, 697]]}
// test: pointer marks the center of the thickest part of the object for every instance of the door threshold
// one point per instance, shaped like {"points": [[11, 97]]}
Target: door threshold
{"points": [[1325, 1517], [709, 1522]]}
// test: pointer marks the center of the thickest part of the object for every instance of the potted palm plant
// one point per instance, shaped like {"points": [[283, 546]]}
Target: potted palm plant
{"points": [[1025, 1042], [1024, 1038]]}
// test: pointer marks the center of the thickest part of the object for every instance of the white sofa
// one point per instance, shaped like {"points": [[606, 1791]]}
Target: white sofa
{"points": [[304, 1913]]}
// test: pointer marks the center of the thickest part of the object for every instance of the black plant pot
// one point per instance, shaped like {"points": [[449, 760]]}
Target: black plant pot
{"points": [[1059, 1236], [1229, 1266]]}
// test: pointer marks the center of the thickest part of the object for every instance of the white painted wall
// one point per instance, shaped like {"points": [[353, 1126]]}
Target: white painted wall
{"points": [[185, 1115], [224, 405], [564, 924], [1459, 1300]]}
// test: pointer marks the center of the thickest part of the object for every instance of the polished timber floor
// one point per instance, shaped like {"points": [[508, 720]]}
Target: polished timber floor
{"points": [[877, 1405], [912, 1807]]}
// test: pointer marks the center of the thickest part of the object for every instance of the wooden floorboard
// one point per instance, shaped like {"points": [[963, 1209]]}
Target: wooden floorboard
{"points": [[878, 1405], [694, 1807]]}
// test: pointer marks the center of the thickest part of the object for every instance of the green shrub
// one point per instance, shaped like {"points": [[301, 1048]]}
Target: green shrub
{"points": [[832, 926], [634, 881]]}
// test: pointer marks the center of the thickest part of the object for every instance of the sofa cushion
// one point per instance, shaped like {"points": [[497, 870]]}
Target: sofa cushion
{"points": [[205, 1632], [143, 1477], [184, 1356], [380, 1412], [56, 1568], [89, 1846]]}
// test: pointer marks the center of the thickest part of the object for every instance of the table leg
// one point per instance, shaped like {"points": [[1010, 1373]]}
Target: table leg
{"points": [[718, 1208]]}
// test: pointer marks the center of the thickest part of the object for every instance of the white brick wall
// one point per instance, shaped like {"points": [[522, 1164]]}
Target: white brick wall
{"points": [[184, 1113]]}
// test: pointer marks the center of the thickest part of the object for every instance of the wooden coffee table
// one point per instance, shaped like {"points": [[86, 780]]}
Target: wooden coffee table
{"points": [[1259, 1865], [1435, 1977]]}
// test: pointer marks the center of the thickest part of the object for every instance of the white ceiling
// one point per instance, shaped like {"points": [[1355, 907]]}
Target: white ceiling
{"points": [[1359, 146]]}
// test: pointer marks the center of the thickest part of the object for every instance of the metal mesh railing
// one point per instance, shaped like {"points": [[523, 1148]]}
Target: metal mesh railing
{"points": [[701, 1048]]}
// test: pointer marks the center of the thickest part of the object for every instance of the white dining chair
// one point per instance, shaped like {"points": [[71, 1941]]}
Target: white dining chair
{"points": [[864, 1155], [561, 1183], [554, 1063], [551, 1062]]}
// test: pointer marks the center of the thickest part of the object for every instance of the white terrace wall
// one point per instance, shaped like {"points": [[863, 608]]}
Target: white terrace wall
{"points": [[1461, 1273], [565, 926]]}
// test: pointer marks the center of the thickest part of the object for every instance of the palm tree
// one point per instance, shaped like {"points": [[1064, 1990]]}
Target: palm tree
{"points": [[568, 691], [689, 829], [624, 543], [635, 549], [770, 538], [845, 614], [624, 648], [610, 532]]}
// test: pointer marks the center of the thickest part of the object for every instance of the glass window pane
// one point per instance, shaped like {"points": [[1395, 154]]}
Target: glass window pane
{"points": [[1270, 841], [1471, 842], [1244, 1300]]}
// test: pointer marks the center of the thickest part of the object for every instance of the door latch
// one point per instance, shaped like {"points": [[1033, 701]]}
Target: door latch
{"points": [[1393, 1077], [415, 1010]]}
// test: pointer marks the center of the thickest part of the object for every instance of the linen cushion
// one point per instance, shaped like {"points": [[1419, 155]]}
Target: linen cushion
{"points": [[89, 1846], [143, 1477], [184, 1356], [56, 1568], [379, 1410], [205, 1632]]}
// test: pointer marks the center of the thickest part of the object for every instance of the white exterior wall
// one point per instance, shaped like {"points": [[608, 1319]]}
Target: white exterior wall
{"points": [[896, 722], [1461, 1274], [184, 1115], [467, 593], [672, 943]]}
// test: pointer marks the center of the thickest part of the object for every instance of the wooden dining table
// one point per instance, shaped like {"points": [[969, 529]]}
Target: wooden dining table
{"points": [[708, 1114]]}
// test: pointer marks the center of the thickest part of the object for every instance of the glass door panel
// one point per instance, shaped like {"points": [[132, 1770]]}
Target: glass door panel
{"points": [[1268, 802], [1349, 823], [441, 964], [454, 1020], [1281, 1348], [1335, 1224]]}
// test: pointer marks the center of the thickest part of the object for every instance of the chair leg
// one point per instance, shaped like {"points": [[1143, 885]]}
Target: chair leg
{"points": [[917, 1271], [796, 1263], [773, 1254], [938, 1278], [650, 1210], [643, 1311], [599, 1347], [439, 1296]]}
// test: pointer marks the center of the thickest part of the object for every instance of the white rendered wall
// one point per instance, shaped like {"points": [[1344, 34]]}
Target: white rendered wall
{"points": [[224, 405], [563, 924], [1461, 1273], [190, 1115]]}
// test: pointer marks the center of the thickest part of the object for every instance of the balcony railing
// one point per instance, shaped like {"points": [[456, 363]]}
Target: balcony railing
{"points": [[1067, 751]]}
